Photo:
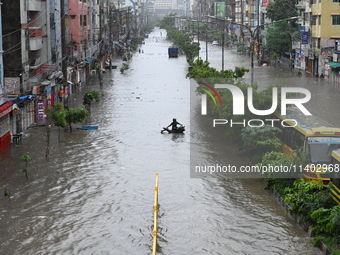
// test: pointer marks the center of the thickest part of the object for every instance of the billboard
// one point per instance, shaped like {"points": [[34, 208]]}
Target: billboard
{"points": [[219, 9]]}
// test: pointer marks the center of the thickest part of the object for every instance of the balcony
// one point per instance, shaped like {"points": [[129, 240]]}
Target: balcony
{"points": [[35, 74], [35, 32], [34, 5], [35, 43]]}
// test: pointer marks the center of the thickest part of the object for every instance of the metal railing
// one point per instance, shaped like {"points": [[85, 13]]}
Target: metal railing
{"points": [[155, 218]]}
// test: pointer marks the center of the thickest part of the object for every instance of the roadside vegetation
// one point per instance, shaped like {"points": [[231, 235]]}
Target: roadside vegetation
{"points": [[61, 117], [309, 201], [186, 38], [26, 159]]}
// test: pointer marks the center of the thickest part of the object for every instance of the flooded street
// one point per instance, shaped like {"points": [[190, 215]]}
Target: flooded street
{"points": [[325, 95], [94, 193]]}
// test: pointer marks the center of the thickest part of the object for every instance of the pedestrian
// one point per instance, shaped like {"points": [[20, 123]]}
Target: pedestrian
{"points": [[139, 50], [142, 51], [60, 94]]}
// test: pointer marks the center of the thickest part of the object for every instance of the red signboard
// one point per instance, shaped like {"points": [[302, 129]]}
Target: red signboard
{"points": [[5, 109], [265, 3]]}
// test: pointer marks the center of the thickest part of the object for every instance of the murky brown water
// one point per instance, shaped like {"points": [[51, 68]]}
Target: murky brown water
{"points": [[94, 194]]}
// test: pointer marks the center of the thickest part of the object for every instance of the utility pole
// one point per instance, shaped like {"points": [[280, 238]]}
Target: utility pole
{"points": [[1, 57], [63, 47], [110, 41], [223, 50], [259, 30]]}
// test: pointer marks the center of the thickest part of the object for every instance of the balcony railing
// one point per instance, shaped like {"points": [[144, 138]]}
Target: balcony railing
{"points": [[35, 32]]}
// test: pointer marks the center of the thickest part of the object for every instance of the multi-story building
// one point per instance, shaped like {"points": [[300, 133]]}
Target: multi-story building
{"points": [[45, 45], [27, 60], [325, 41]]}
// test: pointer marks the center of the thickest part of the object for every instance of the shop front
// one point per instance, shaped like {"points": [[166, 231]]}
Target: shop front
{"points": [[5, 134]]}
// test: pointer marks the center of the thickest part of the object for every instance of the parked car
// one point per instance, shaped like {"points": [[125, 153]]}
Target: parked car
{"points": [[214, 43]]}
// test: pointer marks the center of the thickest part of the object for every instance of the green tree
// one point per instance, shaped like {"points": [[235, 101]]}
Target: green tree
{"points": [[258, 141], [124, 67], [91, 96], [279, 39], [7, 193], [26, 158], [168, 22], [281, 35], [282, 9], [201, 69], [183, 39], [76, 115], [58, 116]]}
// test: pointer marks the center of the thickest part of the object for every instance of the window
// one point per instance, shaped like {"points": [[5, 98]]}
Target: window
{"points": [[313, 20], [298, 140], [336, 1], [84, 21], [321, 148], [336, 20], [319, 20], [307, 16]]}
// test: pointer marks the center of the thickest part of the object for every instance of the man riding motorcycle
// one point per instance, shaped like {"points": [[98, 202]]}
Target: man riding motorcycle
{"points": [[174, 124]]}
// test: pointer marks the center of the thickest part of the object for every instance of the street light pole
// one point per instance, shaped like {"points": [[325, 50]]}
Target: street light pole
{"points": [[206, 42]]}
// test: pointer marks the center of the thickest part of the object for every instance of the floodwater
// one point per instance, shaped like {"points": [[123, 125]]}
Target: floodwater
{"points": [[94, 193]]}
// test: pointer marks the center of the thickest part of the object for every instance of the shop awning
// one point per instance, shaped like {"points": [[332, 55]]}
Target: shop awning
{"points": [[334, 64], [18, 99], [5, 108]]}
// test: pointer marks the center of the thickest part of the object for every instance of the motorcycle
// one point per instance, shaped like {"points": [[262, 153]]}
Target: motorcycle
{"points": [[180, 129]]}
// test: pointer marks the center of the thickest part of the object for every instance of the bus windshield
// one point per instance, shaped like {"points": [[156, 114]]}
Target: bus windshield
{"points": [[320, 148]]}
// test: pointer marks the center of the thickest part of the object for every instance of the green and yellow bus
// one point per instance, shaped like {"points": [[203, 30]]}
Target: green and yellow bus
{"points": [[315, 136]]}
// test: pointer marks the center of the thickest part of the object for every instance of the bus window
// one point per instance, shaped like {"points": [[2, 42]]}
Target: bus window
{"points": [[286, 135], [320, 148], [298, 141]]}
